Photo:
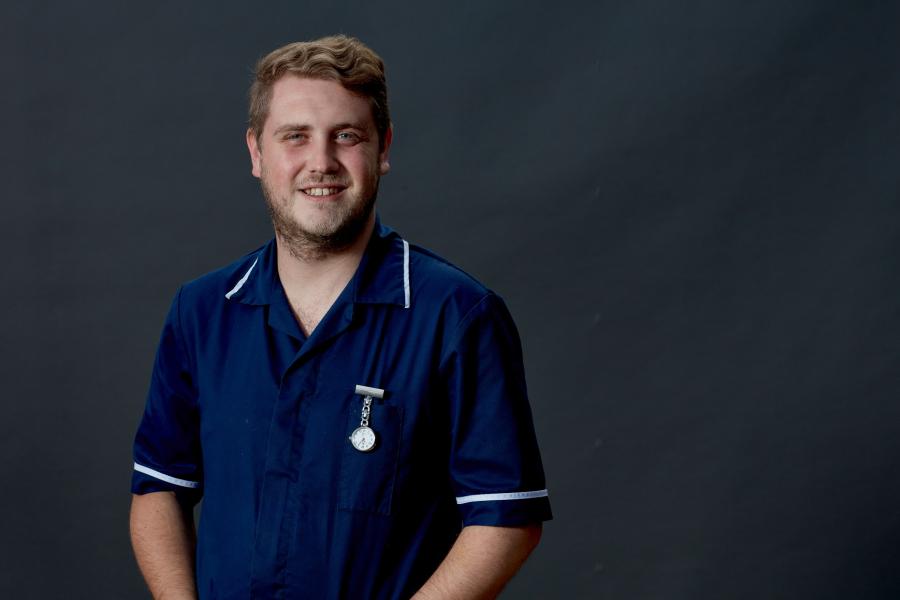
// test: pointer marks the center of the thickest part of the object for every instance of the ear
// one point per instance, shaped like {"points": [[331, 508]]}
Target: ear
{"points": [[383, 165], [254, 148]]}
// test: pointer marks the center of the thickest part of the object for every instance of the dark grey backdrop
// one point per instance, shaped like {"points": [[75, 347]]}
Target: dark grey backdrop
{"points": [[690, 207]]}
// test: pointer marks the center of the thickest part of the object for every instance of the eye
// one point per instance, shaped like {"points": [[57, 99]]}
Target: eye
{"points": [[348, 137], [294, 136]]}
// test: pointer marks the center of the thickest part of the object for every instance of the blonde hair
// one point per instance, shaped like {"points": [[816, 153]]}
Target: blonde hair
{"points": [[339, 58]]}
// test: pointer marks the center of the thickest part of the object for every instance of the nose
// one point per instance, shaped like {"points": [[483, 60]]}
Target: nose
{"points": [[322, 157]]}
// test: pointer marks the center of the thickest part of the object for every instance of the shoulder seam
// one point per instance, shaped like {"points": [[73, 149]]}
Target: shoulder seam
{"points": [[462, 326]]}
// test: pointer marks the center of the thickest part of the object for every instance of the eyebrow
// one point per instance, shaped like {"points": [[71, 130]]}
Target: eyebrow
{"points": [[291, 127], [350, 125]]}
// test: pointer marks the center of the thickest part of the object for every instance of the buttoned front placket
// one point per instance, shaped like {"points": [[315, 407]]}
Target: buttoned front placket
{"points": [[279, 505]]}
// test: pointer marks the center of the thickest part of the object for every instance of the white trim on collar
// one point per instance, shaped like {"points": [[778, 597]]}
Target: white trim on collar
{"points": [[405, 274], [243, 280]]}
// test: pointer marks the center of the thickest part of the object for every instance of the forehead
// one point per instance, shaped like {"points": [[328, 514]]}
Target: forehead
{"points": [[315, 103]]}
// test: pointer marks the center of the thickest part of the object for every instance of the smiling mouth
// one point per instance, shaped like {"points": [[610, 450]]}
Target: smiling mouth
{"points": [[319, 192]]}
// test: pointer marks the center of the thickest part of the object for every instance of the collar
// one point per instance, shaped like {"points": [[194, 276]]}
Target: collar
{"points": [[382, 276]]}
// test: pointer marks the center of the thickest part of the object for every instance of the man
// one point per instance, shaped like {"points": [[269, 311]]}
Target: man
{"points": [[351, 408]]}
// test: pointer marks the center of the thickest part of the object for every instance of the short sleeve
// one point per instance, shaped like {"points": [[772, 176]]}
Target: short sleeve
{"points": [[495, 463], [167, 453]]}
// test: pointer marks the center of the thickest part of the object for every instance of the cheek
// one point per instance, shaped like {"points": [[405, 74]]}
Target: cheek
{"points": [[280, 170], [359, 160], [365, 168]]}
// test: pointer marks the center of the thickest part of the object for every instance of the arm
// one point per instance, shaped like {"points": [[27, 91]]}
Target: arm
{"points": [[162, 533], [480, 563]]}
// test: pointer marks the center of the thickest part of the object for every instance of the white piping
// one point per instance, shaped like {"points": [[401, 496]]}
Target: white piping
{"points": [[508, 496], [243, 280], [406, 273], [164, 477]]}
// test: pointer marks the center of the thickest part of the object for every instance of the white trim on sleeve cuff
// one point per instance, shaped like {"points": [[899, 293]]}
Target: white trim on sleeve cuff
{"points": [[507, 496], [164, 477]]}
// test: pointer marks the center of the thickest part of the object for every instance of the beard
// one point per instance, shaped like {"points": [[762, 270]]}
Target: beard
{"points": [[341, 225]]}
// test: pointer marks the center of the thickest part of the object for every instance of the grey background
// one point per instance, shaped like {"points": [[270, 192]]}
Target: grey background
{"points": [[690, 207]]}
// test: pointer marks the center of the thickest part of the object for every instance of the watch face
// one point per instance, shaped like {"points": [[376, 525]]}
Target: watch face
{"points": [[363, 439]]}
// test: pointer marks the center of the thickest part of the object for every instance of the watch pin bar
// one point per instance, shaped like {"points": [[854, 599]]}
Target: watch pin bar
{"points": [[374, 392]]}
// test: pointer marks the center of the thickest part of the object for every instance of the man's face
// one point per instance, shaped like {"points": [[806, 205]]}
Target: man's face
{"points": [[319, 163]]}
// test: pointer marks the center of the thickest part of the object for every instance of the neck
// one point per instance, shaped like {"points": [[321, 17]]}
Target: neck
{"points": [[320, 274]]}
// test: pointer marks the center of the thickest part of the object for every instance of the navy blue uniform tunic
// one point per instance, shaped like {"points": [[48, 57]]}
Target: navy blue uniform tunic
{"points": [[247, 413]]}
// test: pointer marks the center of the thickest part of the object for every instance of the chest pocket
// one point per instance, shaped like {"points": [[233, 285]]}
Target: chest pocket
{"points": [[367, 478]]}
